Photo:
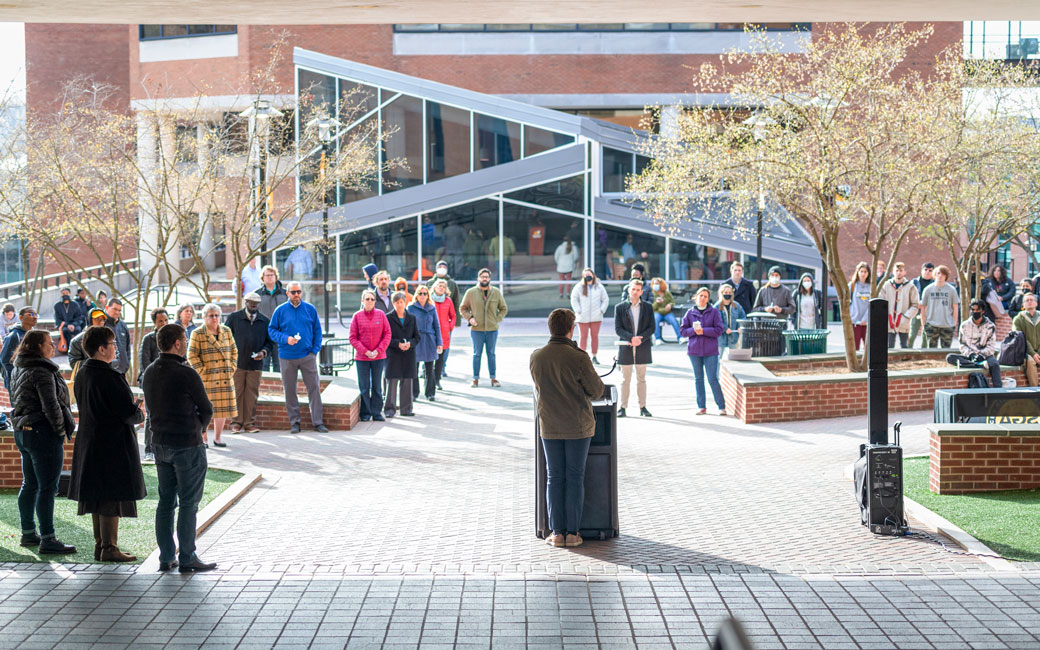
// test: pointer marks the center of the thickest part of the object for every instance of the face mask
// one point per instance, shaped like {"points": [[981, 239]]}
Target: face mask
{"points": [[441, 271], [65, 299], [656, 286], [726, 297], [977, 315], [485, 283], [807, 284], [588, 278], [774, 281]]}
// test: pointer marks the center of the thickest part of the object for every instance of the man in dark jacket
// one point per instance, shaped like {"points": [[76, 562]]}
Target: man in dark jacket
{"points": [[149, 353], [272, 294], [68, 317], [83, 300], [181, 411], [249, 327], [743, 289], [27, 316], [565, 383], [634, 326], [114, 310]]}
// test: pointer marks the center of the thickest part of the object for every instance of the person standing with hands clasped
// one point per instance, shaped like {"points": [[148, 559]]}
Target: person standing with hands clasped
{"points": [[565, 383], [484, 308], [732, 313], [429, 348], [703, 325], [589, 300], [370, 337], [249, 328], [634, 326], [401, 370]]}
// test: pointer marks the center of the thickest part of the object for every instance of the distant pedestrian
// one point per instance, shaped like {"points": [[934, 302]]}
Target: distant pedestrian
{"points": [[250, 277], [296, 328], [774, 297], [400, 358], [8, 319], [441, 273], [182, 409], [369, 271], [589, 300], [664, 310], [101, 299], [1028, 322], [186, 319], [939, 308], [42, 420], [68, 317], [638, 272], [859, 307], [484, 308], [634, 326], [743, 289], [566, 257], [401, 285], [76, 354], [213, 354], [703, 325], [150, 352], [731, 313], [429, 348], [114, 322], [903, 305], [272, 295], [881, 272], [299, 266], [565, 383], [26, 321], [808, 305], [384, 294], [83, 300], [370, 337], [249, 329], [446, 315], [106, 468]]}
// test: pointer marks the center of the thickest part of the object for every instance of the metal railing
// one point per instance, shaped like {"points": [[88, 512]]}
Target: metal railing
{"points": [[56, 280]]}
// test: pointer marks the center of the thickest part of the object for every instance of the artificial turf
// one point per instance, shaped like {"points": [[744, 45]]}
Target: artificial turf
{"points": [[136, 535], [1005, 521]]}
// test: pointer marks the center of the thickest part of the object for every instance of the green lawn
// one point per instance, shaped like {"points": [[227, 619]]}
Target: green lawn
{"points": [[136, 536], [1004, 521]]}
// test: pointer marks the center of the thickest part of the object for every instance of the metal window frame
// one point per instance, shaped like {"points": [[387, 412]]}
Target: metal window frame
{"points": [[161, 37]]}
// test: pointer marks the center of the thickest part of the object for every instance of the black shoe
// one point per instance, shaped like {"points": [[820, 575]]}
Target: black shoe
{"points": [[321, 428], [621, 413], [408, 415], [168, 566], [54, 546], [378, 418], [439, 387], [389, 414], [295, 428], [645, 413], [219, 444], [32, 539], [197, 565], [366, 418], [431, 398]]}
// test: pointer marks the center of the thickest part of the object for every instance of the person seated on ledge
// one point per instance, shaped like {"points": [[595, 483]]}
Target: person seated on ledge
{"points": [[978, 340]]}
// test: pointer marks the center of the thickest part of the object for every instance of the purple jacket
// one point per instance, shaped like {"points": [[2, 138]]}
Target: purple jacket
{"points": [[707, 344]]}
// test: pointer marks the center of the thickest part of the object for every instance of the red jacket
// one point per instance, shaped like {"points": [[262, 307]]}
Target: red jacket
{"points": [[369, 330], [446, 316]]}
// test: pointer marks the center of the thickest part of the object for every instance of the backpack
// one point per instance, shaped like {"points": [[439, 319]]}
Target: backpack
{"points": [[1013, 349], [978, 380]]}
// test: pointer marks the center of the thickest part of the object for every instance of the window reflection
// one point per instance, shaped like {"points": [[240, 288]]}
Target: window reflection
{"points": [[567, 194], [497, 141], [538, 140], [462, 236], [403, 120], [691, 263], [447, 141], [392, 246], [618, 250]]}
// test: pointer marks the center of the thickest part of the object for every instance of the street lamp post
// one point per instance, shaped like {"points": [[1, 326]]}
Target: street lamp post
{"points": [[259, 116], [759, 124], [325, 126]]}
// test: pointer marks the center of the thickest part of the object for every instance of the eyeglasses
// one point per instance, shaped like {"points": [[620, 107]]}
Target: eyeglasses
{"points": [[369, 299], [422, 293], [212, 315], [295, 292]]}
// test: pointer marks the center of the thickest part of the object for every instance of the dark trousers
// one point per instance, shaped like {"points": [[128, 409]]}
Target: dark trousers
{"points": [[149, 448], [390, 403], [42, 453], [903, 336], [182, 477], [438, 366], [962, 361], [431, 379], [565, 487], [271, 364], [370, 383], [69, 333]]}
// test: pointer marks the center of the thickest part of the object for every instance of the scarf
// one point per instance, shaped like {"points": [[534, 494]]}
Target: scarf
{"points": [[438, 298]]}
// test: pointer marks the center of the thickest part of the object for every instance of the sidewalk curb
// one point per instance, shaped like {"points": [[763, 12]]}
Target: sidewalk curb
{"points": [[941, 525], [210, 513]]}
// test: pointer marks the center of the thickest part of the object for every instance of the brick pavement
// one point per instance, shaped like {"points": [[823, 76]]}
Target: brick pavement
{"points": [[419, 533]]}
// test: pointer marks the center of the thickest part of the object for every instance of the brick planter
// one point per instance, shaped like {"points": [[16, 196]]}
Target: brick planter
{"points": [[754, 394], [11, 461], [970, 457]]}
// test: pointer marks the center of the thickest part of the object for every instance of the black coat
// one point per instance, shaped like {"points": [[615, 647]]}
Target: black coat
{"points": [[70, 314], [178, 406], [123, 343], [40, 397], [626, 329], [743, 294], [149, 353], [250, 337], [106, 465], [400, 364]]}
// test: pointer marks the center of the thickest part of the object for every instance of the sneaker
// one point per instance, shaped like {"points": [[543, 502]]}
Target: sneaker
{"points": [[295, 428], [149, 458], [54, 546], [365, 418], [321, 428], [378, 418], [389, 413], [574, 540], [658, 341], [723, 413], [431, 398], [408, 415], [621, 413], [595, 361], [684, 339], [702, 412], [556, 539], [252, 428], [496, 384], [32, 539], [476, 382], [645, 413], [236, 428]]}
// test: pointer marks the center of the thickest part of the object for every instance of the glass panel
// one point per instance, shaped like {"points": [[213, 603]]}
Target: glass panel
{"points": [[317, 95], [541, 241], [225, 29], [403, 118], [618, 249], [462, 236], [641, 163], [692, 26], [691, 264], [497, 141], [508, 27], [368, 187], [538, 140], [566, 194], [151, 31], [418, 27], [447, 141], [616, 166], [392, 247], [554, 27], [355, 100], [174, 30], [200, 29], [600, 27], [646, 26], [462, 27]]}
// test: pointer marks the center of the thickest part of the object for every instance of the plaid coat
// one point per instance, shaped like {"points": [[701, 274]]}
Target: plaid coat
{"points": [[215, 359]]}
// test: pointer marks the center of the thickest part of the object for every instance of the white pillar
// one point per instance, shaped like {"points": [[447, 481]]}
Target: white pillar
{"points": [[206, 233], [147, 155], [168, 166]]}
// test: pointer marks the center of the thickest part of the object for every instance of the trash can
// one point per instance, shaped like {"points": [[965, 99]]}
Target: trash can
{"points": [[599, 519], [806, 341], [762, 332]]}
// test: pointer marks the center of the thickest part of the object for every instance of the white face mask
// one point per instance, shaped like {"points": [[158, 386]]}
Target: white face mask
{"points": [[807, 284], [656, 286], [441, 271], [774, 281]]}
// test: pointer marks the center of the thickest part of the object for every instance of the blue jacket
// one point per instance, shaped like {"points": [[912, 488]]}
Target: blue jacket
{"points": [[730, 340], [289, 321], [429, 331], [11, 341]]}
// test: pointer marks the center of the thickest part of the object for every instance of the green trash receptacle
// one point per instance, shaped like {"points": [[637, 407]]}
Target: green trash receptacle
{"points": [[806, 341]]}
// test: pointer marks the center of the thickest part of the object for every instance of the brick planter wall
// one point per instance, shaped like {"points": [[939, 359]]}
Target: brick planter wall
{"points": [[11, 461], [754, 394], [966, 458]]}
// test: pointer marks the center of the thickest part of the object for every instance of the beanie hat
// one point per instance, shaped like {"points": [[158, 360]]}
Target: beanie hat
{"points": [[774, 269], [370, 269]]}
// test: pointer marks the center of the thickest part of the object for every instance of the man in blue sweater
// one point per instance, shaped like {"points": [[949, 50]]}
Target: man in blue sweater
{"points": [[296, 328]]}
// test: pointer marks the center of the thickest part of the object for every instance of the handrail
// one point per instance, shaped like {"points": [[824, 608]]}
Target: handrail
{"points": [[65, 277]]}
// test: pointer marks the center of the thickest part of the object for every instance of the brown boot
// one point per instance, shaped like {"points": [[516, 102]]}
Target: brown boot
{"points": [[97, 537], [109, 542]]}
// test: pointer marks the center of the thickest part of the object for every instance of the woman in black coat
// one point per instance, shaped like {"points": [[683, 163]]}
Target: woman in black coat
{"points": [[106, 467], [401, 370], [42, 420]]}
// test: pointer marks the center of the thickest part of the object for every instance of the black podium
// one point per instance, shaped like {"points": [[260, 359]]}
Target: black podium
{"points": [[599, 518]]}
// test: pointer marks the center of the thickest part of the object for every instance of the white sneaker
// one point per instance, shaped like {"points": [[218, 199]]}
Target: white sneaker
{"points": [[684, 339], [149, 458], [658, 341]]}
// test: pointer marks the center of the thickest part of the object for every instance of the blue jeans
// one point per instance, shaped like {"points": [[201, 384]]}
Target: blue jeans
{"points": [[370, 383], [707, 365], [43, 453], [665, 318], [182, 476], [565, 486], [485, 340]]}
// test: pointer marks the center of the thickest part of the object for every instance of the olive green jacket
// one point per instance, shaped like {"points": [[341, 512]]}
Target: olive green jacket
{"points": [[565, 382], [1023, 324], [488, 312]]}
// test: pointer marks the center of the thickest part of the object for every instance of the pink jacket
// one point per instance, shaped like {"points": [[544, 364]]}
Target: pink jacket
{"points": [[369, 330], [446, 316]]}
